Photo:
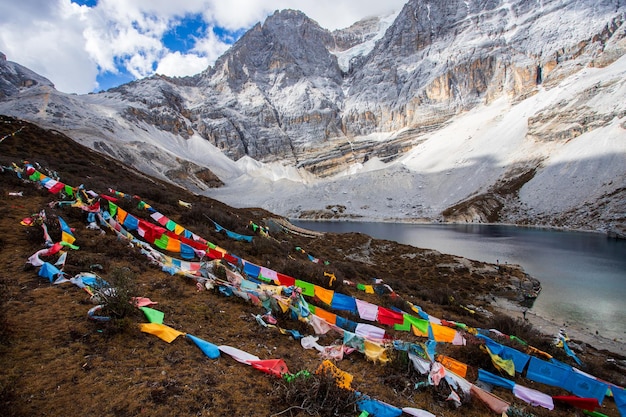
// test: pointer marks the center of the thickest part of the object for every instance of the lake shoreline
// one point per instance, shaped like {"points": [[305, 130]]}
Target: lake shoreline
{"points": [[430, 222], [576, 333]]}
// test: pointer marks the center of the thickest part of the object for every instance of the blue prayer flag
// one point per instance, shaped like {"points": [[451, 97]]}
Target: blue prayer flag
{"points": [[343, 302], [495, 380], [209, 349]]}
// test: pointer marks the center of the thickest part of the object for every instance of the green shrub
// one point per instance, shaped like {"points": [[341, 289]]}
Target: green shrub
{"points": [[117, 297]]}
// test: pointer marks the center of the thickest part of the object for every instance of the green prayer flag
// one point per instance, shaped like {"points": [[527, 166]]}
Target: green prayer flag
{"points": [[265, 279], [519, 340], [420, 324], [162, 242], [594, 413], [153, 316], [308, 289], [112, 208], [69, 245], [69, 190], [170, 225], [405, 326]]}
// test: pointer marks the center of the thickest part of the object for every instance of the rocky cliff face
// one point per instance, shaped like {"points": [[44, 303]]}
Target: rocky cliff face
{"points": [[440, 58], [275, 94], [357, 34], [279, 93], [14, 78]]}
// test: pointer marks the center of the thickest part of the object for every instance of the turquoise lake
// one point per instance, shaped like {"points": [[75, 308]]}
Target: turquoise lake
{"points": [[583, 275]]}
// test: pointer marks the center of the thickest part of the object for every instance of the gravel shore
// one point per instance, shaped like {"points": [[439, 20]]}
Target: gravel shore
{"points": [[551, 328]]}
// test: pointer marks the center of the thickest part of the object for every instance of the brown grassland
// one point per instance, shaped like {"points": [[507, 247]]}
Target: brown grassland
{"points": [[57, 362]]}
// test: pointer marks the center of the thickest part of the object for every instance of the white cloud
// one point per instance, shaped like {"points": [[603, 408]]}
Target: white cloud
{"points": [[70, 44], [176, 64], [237, 14], [206, 50], [46, 37]]}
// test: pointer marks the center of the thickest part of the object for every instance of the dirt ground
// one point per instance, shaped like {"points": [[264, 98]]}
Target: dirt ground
{"points": [[57, 362]]}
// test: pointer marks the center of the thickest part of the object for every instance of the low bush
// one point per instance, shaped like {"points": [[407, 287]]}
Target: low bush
{"points": [[116, 297], [316, 395]]}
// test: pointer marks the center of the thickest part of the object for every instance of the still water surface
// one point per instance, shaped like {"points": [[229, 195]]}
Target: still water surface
{"points": [[583, 275]]}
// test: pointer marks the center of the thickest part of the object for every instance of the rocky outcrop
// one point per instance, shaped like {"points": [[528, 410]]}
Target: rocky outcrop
{"points": [[487, 207], [359, 33], [15, 78], [571, 118], [157, 102]]}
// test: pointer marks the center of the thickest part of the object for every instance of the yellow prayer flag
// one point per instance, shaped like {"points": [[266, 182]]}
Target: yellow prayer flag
{"points": [[68, 238], [161, 331], [375, 352], [274, 289], [284, 305], [505, 365], [342, 378]]}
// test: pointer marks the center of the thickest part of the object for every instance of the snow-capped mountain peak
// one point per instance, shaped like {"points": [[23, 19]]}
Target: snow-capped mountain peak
{"points": [[476, 110]]}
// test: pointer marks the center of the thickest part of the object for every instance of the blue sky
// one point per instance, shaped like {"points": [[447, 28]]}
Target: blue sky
{"points": [[91, 45], [181, 38]]}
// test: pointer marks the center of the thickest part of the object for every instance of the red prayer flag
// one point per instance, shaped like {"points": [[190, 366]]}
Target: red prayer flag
{"points": [[588, 404], [389, 317], [276, 367], [286, 280]]}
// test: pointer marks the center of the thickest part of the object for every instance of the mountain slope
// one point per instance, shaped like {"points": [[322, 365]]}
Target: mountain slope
{"points": [[56, 361], [284, 96]]}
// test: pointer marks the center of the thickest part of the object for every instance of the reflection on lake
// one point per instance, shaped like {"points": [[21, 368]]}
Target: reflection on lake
{"points": [[583, 275]]}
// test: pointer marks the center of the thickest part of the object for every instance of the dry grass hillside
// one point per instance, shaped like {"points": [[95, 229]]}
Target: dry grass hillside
{"points": [[55, 361]]}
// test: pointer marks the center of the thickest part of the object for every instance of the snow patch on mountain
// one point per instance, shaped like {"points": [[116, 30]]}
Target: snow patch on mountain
{"points": [[344, 57], [272, 171]]}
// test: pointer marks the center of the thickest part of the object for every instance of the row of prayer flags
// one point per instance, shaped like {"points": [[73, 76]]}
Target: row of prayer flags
{"points": [[365, 310]]}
